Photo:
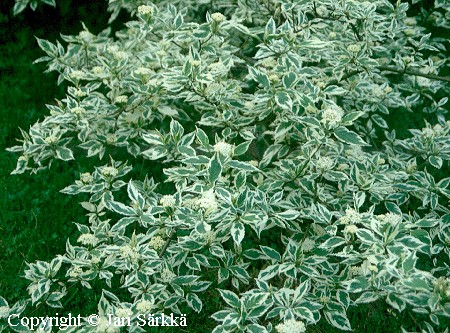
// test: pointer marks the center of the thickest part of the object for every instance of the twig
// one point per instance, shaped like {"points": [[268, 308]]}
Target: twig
{"points": [[163, 250], [415, 73]]}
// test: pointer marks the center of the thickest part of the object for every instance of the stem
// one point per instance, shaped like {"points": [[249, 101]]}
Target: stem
{"points": [[415, 73], [163, 250]]}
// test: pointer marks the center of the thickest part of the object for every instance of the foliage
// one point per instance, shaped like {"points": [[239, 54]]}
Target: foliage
{"points": [[269, 175]]}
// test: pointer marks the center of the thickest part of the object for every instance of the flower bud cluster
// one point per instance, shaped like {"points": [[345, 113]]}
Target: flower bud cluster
{"points": [[332, 116], [291, 326], [88, 239]]}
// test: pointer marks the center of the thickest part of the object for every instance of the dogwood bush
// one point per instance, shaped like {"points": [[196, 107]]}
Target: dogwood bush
{"points": [[273, 178]]}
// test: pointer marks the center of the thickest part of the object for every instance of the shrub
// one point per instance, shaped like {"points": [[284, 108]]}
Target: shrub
{"points": [[247, 158]]}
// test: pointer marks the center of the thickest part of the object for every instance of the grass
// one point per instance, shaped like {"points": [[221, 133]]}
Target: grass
{"points": [[35, 219]]}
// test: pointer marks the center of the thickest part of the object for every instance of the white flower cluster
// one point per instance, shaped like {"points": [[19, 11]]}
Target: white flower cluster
{"points": [[351, 217], [324, 163], [75, 272], [390, 218], [95, 260], [120, 55], [142, 71], [145, 10], [209, 237], [104, 326], [145, 306], [77, 74], [167, 201], [350, 229], [121, 99], [111, 138], [79, 93], [129, 252], [85, 36], [343, 166], [369, 265], [157, 243], [207, 201], [217, 67], [269, 62], [318, 230], [78, 110], [324, 299], [427, 132], [332, 116], [124, 313], [218, 17], [410, 21], [423, 82], [291, 326], [308, 245], [109, 171], [51, 139], [4, 311], [167, 275], [353, 48], [88, 239], [322, 11], [224, 148], [355, 152], [86, 178], [98, 70], [441, 285]]}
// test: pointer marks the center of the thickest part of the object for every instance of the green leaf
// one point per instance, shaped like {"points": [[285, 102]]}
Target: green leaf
{"points": [[366, 236], [178, 21], [304, 313], [194, 302], [395, 302], [255, 328], [237, 232], [214, 169], [242, 166], [377, 119], [435, 161], [271, 253], [335, 90], [123, 223], [313, 44], [259, 77], [47, 47], [338, 320], [283, 100], [268, 272], [230, 298], [241, 148], [358, 284], [289, 80], [155, 153], [350, 117], [64, 153], [202, 137], [349, 137], [332, 242], [271, 27], [120, 208]]}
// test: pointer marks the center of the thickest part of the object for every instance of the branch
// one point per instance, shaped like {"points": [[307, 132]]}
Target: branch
{"points": [[415, 73], [395, 70], [163, 250], [345, 77]]}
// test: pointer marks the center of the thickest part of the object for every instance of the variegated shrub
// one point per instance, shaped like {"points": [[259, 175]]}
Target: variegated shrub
{"points": [[270, 174]]}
